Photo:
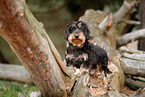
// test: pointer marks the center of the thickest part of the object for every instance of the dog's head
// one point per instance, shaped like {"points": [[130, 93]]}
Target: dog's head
{"points": [[77, 33]]}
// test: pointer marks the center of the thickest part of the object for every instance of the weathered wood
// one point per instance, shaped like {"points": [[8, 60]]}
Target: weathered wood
{"points": [[80, 89], [131, 22], [15, 73], [142, 79], [133, 61], [125, 9], [139, 93], [132, 36], [134, 84], [28, 40], [106, 23]]}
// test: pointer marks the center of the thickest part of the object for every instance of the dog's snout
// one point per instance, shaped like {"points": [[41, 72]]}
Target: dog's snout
{"points": [[76, 36]]}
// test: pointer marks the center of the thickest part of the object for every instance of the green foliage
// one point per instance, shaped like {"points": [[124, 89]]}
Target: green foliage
{"points": [[13, 89]]}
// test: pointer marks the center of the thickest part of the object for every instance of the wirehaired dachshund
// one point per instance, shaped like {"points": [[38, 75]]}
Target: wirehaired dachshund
{"points": [[80, 52]]}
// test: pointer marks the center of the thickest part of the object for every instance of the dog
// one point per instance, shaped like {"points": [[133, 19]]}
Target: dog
{"points": [[80, 53]]}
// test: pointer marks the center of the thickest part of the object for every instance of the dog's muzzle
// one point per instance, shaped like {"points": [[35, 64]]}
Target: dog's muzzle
{"points": [[77, 39]]}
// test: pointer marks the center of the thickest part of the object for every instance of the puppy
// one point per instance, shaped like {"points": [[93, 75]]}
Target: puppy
{"points": [[80, 52]]}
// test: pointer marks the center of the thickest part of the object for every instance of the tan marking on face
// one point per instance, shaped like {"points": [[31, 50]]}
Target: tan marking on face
{"points": [[77, 41]]}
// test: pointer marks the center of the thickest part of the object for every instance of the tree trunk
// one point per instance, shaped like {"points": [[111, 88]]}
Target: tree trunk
{"points": [[29, 41], [141, 43]]}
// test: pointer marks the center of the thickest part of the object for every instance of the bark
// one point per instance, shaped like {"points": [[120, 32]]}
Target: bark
{"points": [[133, 61], [132, 36], [133, 66], [130, 22], [118, 16], [29, 41], [139, 93], [134, 84], [139, 78], [125, 9]]}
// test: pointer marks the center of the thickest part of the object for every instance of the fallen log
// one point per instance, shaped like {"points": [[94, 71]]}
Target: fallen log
{"points": [[14, 73], [29, 41], [133, 61]]}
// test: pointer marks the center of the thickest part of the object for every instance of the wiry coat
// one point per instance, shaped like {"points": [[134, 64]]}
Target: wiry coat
{"points": [[87, 54]]}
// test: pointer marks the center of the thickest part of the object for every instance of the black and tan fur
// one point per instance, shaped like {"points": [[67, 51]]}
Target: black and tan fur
{"points": [[80, 52]]}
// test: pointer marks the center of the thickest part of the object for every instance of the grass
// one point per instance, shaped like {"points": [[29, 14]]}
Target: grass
{"points": [[13, 89]]}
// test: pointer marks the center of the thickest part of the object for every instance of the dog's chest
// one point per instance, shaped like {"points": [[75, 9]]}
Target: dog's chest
{"points": [[76, 58]]}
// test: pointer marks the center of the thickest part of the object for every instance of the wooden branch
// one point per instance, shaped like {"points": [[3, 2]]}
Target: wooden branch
{"points": [[131, 22], [15, 73], [142, 79], [132, 36], [29, 41], [133, 62], [139, 93], [118, 16], [106, 24], [124, 10], [134, 84], [34, 48]]}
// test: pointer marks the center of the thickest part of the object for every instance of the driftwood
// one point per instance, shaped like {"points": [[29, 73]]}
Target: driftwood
{"points": [[131, 22], [133, 61], [118, 16], [29, 41], [134, 84], [132, 36], [139, 93], [15, 73]]}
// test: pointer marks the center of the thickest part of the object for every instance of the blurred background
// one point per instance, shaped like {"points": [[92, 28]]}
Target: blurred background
{"points": [[55, 14]]}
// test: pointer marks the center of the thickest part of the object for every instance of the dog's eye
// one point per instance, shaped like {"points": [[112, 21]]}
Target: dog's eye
{"points": [[71, 28]]}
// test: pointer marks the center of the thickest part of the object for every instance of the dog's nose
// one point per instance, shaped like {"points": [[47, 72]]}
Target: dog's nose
{"points": [[76, 36]]}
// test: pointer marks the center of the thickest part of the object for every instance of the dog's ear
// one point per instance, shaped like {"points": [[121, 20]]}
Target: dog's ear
{"points": [[87, 33], [85, 28], [66, 31]]}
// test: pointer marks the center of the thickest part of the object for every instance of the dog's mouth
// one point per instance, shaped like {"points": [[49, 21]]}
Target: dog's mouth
{"points": [[77, 42]]}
